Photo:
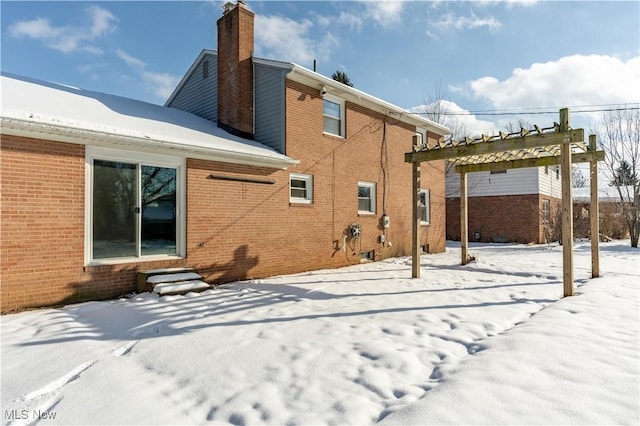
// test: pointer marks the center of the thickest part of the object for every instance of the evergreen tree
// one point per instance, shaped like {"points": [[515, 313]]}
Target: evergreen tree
{"points": [[624, 175], [342, 77]]}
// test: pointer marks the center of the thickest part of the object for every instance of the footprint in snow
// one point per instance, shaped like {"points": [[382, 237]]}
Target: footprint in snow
{"points": [[125, 349], [57, 384]]}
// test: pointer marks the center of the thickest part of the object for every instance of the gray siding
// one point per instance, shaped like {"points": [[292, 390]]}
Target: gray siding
{"points": [[269, 99], [199, 95]]}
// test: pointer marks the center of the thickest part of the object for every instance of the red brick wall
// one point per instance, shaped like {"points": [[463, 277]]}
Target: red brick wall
{"points": [[42, 229], [514, 218], [243, 230], [235, 230]]}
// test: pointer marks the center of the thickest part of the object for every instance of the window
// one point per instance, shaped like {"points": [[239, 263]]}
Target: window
{"points": [[133, 204], [422, 137], [424, 207], [333, 115], [498, 172], [300, 188], [205, 70], [367, 256], [546, 211], [546, 170], [366, 198], [557, 172]]}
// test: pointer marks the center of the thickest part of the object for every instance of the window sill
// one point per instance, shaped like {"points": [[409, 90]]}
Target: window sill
{"points": [[125, 260], [425, 223], [362, 213], [300, 204], [333, 135]]}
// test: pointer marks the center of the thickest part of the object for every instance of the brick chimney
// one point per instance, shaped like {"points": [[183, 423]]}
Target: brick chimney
{"points": [[235, 69]]}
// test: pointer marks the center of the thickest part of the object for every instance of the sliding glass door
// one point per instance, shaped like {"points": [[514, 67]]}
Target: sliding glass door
{"points": [[134, 210]]}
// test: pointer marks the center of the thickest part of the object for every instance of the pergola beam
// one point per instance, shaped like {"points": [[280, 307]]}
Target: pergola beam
{"points": [[510, 144], [583, 157]]}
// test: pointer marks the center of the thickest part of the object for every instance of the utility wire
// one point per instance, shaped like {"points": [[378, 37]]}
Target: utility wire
{"points": [[521, 111]]}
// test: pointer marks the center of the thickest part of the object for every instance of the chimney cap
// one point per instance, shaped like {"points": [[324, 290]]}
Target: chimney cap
{"points": [[229, 6]]}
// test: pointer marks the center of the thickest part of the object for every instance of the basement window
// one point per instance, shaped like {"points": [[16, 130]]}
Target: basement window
{"points": [[367, 256]]}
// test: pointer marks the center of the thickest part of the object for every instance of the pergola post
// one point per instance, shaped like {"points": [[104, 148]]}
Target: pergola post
{"points": [[415, 246], [464, 219], [567, 205], [594, 212]]}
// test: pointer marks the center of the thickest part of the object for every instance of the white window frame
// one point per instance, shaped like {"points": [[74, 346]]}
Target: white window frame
{"points": [[372, 187], [340, 103], [426, 218], [422, 133], [308, 179], [147, 159], [546, 210]]}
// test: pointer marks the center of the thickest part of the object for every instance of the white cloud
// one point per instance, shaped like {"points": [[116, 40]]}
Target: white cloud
{"points": [[287, 39], [575, 81], [68, 39], [571, 80], [458, 119], [386, 13], [132, 61], [450, 21], [508, 3], [162, 84]]}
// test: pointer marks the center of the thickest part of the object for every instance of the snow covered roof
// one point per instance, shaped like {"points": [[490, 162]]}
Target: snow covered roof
{"points": [[38, 109], [607, 194]]}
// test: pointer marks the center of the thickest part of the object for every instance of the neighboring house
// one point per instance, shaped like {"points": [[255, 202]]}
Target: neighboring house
{"points": [[612, 221], [517, 205], [253, 168]]}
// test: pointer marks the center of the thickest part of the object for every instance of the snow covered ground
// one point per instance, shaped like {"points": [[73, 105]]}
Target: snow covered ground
{"points": [[492, 342]]}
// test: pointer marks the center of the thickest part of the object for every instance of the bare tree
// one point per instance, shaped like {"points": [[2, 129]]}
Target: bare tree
{"points": [[577, 178], [435, 107], [618, 134]]}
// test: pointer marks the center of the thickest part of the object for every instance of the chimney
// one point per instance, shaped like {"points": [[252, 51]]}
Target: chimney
{"points": [[235, 69]]}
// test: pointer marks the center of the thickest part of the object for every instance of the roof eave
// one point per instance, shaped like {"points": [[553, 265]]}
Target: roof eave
{"points": [[313, 79], [58, 133]]}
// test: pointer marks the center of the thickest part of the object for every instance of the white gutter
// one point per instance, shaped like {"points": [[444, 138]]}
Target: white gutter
{"points": [[61, 133]]}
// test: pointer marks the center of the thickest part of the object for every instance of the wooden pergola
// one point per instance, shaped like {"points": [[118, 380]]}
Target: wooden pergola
{"points": [[555, 145]]}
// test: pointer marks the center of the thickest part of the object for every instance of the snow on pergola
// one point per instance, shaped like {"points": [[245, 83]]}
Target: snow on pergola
{"points": [[558, 144]]}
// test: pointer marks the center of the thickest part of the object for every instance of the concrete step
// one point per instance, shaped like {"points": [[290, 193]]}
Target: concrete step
{"points": [[180, 287], [146, 280], [169, 278]]}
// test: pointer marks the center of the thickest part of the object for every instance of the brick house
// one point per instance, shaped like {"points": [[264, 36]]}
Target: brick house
{"points": [[517, 205], [253, 168]]}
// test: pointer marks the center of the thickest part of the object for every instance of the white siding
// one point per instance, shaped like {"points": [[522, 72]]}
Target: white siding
{"points": [[550, 183], [483, 184]]}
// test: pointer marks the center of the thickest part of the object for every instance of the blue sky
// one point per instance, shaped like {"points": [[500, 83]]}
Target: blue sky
{"points": [[484, 55]]}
